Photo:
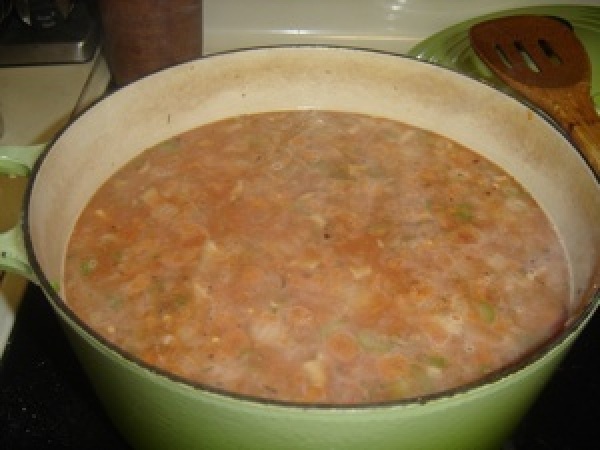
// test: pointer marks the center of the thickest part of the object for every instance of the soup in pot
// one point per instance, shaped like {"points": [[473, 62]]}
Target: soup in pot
{"points": [[320, 257]]}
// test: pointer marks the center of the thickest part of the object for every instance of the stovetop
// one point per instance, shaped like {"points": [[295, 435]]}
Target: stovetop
{"points": [[46, 401]]}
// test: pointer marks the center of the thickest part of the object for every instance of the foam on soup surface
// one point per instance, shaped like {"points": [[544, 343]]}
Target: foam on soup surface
{"points": [[317, 256]]}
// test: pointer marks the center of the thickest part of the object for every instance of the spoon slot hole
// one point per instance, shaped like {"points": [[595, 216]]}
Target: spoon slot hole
{"points": [[553, 57], [502, 55], [529, 62]]}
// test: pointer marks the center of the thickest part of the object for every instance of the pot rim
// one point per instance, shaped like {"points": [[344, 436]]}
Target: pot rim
{"points": [[51, 289]]}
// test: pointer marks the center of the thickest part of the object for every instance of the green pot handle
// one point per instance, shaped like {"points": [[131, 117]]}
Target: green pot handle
{"points": [[17, 161]]}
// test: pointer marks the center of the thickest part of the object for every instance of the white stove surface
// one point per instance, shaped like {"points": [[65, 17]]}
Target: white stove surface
{"points": [[388, 25], [36, 102]]}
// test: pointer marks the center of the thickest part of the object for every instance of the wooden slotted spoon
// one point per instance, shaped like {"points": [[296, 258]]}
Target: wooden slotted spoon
{"points": [[542, 59]]}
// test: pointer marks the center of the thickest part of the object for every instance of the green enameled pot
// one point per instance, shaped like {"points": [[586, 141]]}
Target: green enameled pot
{"points": [[155, 410]]}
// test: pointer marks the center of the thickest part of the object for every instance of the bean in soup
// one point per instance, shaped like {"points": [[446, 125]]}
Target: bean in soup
{"points": [[315, 256]]}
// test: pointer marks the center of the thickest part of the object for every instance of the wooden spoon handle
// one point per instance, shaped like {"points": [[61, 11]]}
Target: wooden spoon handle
{"points": [[573, 109], [587, 138]]}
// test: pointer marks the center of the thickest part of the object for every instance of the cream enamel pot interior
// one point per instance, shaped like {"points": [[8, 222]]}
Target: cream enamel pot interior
{"points": [[154, 410]]}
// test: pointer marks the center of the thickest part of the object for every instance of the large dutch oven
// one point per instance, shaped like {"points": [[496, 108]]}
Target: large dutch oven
{"points": [[155, 410]]}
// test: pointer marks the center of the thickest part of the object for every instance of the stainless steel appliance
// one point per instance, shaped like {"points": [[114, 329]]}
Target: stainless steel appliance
{"points": [[48, 32], [44, 13]]}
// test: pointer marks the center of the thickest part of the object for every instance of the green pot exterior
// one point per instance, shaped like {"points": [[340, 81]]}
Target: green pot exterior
{"points": [[155, 412]]}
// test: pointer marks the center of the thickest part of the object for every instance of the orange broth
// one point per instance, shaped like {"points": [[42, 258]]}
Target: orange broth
{"points": [[316, 256]]}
